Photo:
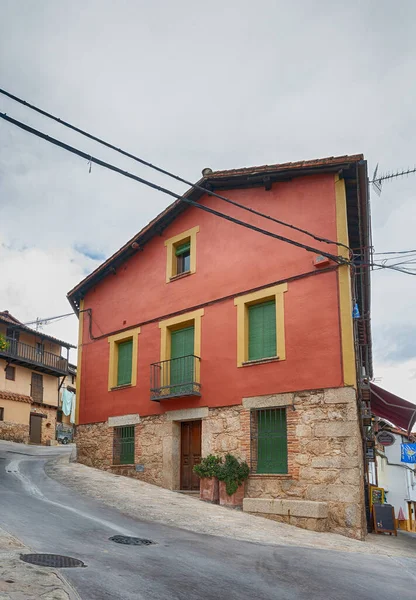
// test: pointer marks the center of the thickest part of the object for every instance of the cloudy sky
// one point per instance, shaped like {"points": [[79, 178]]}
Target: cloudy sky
{"points": [[186, 85]]}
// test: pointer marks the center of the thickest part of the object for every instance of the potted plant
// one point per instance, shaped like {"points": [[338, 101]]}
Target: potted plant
{"points": [[4, 344], [232, 474], [207, 472]]}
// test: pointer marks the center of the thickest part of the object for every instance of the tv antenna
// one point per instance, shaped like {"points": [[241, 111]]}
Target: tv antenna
{"points": [[377, 181]]}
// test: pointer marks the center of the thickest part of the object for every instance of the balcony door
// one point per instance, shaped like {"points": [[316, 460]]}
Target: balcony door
{"points": [[182, 362], [36, 388], [13, 336]]}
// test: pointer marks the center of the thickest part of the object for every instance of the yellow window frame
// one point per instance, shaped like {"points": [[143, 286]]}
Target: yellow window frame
{"points": [[114, 341], [243, 303], [171, 245]]}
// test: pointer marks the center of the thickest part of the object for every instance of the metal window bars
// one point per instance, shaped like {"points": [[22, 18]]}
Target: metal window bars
{"points": [[123, 445]]}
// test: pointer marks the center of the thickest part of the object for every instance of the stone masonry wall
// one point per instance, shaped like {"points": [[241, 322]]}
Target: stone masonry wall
{"points": [[94, 445], [48, 424], [324, 453], [327, 460], [95, 448], [14, 432]]}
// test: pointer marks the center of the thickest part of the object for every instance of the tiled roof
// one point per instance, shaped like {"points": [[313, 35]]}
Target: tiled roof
{"points": [[301, 164], [8, 318], [5, 395]]}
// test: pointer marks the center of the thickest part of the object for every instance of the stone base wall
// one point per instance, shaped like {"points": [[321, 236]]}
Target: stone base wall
{"points": [[94, 445], [14, 432], [48, 424], [328, 459], [324, 453]]}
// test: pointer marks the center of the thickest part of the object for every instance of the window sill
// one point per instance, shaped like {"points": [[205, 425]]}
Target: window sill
{"points": [[260, 361], [123, 466], [120, 387], [278, 475], [180, 276]]}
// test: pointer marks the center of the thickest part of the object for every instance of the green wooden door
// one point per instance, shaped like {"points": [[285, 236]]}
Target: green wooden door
{"points": [[182, 360]]}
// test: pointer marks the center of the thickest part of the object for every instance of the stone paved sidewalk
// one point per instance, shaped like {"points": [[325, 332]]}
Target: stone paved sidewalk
{"points": [[21, 581], [151, 503]]}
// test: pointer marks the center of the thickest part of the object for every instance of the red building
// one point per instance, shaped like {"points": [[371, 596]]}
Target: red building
{"points": [[203, 336]]}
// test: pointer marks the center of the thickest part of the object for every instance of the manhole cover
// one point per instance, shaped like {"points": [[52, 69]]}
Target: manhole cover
{"points": [[130, 541], [51, 560]]}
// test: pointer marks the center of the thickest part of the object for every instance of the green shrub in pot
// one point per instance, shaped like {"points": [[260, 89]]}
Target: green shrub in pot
{"points": [[233, 472], [208, 467]]}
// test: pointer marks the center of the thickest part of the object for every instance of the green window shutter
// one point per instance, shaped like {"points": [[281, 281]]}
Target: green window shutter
{"points": [[182, 347], [124, 368], [182, 342], [262, 330], [271, 441], [183, 248]]}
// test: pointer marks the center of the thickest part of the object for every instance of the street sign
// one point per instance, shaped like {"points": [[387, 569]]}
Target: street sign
{"points": [[369, 454], [385, 438]]}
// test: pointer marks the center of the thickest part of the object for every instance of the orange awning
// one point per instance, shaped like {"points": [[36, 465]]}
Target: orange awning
{"points": [[398, 411]]}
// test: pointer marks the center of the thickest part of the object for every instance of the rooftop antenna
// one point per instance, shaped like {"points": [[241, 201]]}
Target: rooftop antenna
{"points": [[377, 182]]}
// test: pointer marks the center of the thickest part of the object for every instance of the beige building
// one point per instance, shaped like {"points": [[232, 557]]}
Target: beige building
{"points": [[33, 369]]}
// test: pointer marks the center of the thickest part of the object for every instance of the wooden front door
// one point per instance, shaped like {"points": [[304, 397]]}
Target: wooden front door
{"points": [[190, 454], [35, 429]]}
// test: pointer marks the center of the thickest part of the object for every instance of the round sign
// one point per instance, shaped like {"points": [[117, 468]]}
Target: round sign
{"points": [[385, 438]]}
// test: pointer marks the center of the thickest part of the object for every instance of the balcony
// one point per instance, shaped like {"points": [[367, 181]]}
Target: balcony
{"points": [[175, 378], [38, 360]]}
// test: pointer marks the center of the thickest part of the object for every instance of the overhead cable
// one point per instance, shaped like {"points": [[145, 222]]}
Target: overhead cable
{"points": [[91, 159], [168, 173]]}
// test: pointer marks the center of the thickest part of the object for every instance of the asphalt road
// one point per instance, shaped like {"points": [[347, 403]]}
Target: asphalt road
{"points": [[49, 517]]}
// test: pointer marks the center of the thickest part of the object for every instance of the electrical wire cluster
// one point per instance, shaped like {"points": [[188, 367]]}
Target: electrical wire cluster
{"points": [[403, 261]]}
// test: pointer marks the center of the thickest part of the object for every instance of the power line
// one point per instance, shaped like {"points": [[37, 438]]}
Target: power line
{"points": [[168, 173], [92, 159], [97, 161], [398, 252], [43, 321]]}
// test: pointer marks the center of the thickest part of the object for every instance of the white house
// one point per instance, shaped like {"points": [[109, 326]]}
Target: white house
{"points": [[397, 478]]}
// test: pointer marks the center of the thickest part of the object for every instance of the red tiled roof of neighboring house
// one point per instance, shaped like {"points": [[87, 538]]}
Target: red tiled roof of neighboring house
{"points": [[165, 217], [300, 164], [6, 317], [5, 395]]}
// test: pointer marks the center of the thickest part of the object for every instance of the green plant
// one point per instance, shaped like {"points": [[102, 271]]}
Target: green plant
{"points": [[3, 342], [208, 466], [233, 473]]}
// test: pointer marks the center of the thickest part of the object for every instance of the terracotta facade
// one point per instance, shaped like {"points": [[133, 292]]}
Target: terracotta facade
{"points": [[310, 373]]}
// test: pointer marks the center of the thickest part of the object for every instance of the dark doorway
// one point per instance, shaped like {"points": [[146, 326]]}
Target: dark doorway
{"points": [[190, 454], [35, 429]]}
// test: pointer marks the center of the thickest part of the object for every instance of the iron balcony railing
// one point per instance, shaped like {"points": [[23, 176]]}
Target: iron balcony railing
{"points": [[174, 378], [21, 352]]}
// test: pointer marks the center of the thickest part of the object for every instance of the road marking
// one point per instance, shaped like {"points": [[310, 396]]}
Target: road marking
{"points": [[33, 490]]}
